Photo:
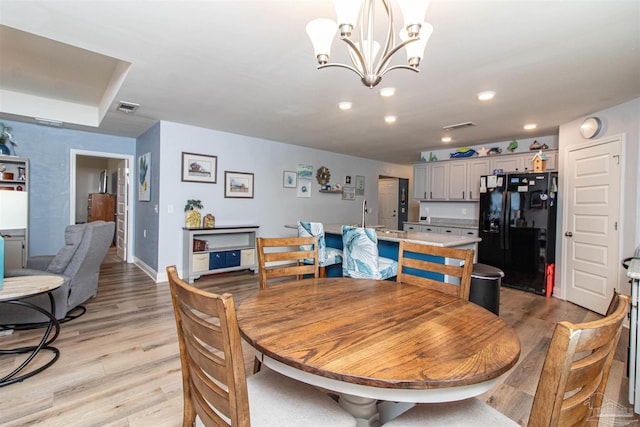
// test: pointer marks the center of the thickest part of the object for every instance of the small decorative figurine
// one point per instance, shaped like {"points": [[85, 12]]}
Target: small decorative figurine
{"points": [[495, 151], [209, 221], [512, 146], [463, 152]]}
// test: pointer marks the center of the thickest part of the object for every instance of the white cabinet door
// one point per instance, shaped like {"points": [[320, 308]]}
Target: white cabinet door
{"points": [[421, 181], [509, 163], [457, 180], [439, 177], [475, 169]]}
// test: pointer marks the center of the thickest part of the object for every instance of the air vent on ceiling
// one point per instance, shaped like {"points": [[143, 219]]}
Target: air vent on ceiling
{"points": [[48, 122], [127, 107], [458, 126]]}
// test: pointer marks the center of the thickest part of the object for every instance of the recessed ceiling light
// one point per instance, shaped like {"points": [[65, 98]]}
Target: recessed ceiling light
{"points": [[390, 119], [387, 92], [345, 105], [530, 126], [446, 139], [486, 96]]}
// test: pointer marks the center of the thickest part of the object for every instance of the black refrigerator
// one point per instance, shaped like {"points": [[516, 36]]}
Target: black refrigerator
{"points": [[517, 226]]}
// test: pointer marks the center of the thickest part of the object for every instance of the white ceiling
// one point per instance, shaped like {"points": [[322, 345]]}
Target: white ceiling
{"points": [[247, 67]]}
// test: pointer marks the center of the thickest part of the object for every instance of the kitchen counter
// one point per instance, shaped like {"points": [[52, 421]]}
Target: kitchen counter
{"points": [[434, 239], [448, 222]]}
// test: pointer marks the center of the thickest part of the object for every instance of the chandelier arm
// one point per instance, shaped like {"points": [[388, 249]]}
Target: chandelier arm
{"points": [[385, 55], [395, 67], [384, 61], [355, 49], [348, 67]]}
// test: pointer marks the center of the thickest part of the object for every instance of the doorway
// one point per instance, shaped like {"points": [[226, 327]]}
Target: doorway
{"points": [[393, 208], [98, 172], [591, 223]]}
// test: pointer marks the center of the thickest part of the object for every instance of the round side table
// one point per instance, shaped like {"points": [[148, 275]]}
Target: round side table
{"points": [[14, 291]]}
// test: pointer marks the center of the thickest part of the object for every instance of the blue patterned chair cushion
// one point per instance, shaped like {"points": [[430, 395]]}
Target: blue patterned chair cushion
{"points": [[326, 256], [361, 260]]}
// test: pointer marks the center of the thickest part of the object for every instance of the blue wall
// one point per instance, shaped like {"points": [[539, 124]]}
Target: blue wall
{"points": [[48, 150], [146, 220]]}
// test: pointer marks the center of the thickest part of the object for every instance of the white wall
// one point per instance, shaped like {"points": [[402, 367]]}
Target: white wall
{"points": [[624, 120], [272, 206]]}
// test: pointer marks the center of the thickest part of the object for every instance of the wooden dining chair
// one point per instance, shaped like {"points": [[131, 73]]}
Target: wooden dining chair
{"points": [[215, 387], [571, 386], [415, 261], [284, 256]]}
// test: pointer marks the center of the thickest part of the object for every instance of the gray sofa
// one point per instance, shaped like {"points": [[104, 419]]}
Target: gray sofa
{"points": [[78, 262]]}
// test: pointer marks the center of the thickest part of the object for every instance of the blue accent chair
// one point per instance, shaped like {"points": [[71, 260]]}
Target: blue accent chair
{"points": [[326, 256], [361, 260]]}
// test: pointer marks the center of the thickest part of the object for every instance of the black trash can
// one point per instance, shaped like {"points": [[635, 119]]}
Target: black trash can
{"points": [[485, 287]]}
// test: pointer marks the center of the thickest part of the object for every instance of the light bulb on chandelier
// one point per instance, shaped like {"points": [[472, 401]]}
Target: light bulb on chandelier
{"points": [[360, 15]]}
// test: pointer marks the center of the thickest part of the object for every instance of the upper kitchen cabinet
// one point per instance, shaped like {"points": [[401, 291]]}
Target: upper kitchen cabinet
{"points": [[449, 181], [421, 176], [522, 162], [475, 169], [459, 180]]}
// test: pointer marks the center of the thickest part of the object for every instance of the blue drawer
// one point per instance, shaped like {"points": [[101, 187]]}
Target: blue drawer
{"points": [[233, 258], [217, 260]]}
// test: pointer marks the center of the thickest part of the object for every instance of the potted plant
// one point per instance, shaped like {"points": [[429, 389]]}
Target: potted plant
{"points": [[193, 214]]}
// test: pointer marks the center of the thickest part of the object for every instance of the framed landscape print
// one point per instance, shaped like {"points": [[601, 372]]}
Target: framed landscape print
{"points": [[238, 184], [199, 168], [348, 193]]}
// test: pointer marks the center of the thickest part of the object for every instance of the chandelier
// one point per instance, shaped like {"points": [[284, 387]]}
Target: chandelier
{"points": [[353, 14]]}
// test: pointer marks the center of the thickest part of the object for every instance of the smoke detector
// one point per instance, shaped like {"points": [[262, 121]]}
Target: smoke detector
{"points": [[127, 107]]}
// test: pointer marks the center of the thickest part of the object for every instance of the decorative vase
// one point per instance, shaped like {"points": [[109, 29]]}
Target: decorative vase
{"points": [[209, 221], [193, 218]]}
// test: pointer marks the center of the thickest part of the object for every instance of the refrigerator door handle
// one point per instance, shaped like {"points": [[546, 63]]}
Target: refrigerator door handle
{"points": [[505, 219]]}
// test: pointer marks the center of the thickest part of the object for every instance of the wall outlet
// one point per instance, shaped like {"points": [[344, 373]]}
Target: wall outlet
{"points": [[464, 211], [144, 233]]}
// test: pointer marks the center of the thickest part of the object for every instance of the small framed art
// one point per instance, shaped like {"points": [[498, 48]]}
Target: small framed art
{"points": [[289, 179], [359, 185], [238, 185], [348, 193], [199, 168]]}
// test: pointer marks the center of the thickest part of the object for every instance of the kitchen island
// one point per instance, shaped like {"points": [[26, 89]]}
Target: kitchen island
{"points": [[389, 240]]}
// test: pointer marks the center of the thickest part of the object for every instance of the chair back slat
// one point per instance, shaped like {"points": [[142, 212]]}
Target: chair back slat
{"points": [[213, 371], [287, 257], [576, 369], [415, 259]]}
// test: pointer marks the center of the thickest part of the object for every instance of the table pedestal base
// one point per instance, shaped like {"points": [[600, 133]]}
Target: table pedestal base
{"points": [[363, 409], [51, 326]]}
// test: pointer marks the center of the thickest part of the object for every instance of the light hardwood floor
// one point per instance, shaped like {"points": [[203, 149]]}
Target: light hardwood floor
{"points": [[119, 363]]}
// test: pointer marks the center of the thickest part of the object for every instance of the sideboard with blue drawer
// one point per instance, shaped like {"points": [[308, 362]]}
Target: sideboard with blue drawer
{"points": [[218, 250]]}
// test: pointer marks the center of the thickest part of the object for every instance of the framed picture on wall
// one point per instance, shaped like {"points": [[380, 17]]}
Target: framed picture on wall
{"points": [[144, 177], [359, 185], [348, 193], [238, 185], [290, 179], [199, 168]]}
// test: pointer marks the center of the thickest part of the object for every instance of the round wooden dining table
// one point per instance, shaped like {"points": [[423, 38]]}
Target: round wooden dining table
{"points": [[372, 340]]}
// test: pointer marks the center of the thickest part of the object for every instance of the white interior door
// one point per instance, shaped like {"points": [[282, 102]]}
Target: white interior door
{"points": [[388, 203], [591, 238], [121, 212]]}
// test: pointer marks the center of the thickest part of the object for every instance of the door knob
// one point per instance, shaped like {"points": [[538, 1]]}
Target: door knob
{"points": [[568, 234]]}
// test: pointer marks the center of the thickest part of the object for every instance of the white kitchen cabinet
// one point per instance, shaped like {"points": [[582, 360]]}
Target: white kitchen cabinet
{"points": [[510, 163], [475, 169], [438, 181], [421, 176], [457, 180], [431, 229], [522, 162]]}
